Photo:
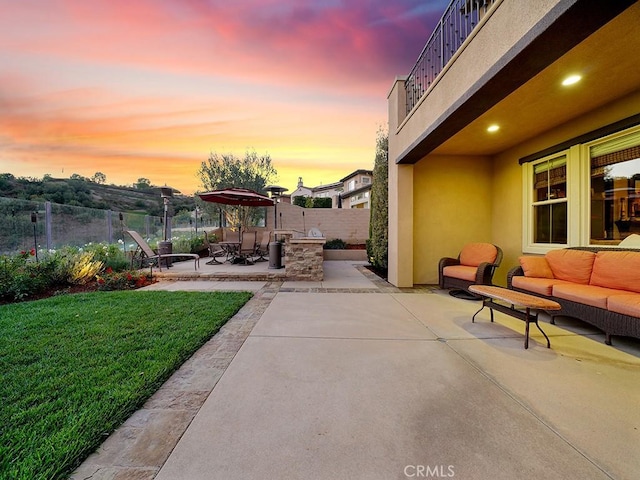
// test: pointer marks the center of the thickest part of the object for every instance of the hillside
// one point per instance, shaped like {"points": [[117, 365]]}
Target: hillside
{"points": [[85, 193]]}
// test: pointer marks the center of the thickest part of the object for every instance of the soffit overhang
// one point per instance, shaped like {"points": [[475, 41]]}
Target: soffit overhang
{"points": [[522, 93]]}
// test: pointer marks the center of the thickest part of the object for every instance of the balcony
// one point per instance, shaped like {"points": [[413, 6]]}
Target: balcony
{"points": [[458, 21]]}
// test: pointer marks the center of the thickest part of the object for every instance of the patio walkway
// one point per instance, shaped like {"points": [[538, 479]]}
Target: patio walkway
{"points": [[353, 378]]}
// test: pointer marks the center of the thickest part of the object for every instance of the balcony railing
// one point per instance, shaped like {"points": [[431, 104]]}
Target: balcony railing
{"points": [[457, 23]]}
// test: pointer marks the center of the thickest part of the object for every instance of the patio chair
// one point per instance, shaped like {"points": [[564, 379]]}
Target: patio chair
{"points": [[215, 250], [475, 264], [262, 248], [144, 253], [247, 248]]}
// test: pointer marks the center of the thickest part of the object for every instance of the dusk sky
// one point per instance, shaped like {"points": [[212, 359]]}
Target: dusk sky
{"points": [[148, 88]]}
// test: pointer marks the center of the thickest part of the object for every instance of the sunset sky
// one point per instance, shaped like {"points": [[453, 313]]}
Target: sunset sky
{"points": [[148, 88]]}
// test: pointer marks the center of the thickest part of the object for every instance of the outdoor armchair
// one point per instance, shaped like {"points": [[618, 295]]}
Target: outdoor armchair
{"points": [[475, 264], [247, 247], [262, 248], [215, 250]]}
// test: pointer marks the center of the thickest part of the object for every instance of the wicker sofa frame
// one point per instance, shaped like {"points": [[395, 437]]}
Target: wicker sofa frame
{"points": [[484, 274], [611, 323]]}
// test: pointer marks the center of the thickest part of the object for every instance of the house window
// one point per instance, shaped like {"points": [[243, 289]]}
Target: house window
{"points": [[588, 194], [352, 185], [366, 180], [549, 204], [615, 189]]}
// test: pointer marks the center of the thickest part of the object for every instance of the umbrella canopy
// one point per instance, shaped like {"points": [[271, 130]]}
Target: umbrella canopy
{"points": [[237, 196]]}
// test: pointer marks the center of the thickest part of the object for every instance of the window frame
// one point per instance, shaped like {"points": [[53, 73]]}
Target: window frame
{"points": [[578, 195]]}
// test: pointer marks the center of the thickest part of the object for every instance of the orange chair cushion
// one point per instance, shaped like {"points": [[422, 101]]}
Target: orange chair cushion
{"points": [[535, 267], [473, 254], [541, 286], [617, 270], [571, 265], [462, 272], [587, 294], [625, 304]]}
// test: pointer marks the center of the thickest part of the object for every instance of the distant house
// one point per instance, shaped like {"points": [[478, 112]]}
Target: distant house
{"points": [[352, 191], [357, 189], [301, 191], [518, 125]]}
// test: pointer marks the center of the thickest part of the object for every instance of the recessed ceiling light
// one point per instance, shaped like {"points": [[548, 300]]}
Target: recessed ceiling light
{"points": [[571, 79], [493, 128]]}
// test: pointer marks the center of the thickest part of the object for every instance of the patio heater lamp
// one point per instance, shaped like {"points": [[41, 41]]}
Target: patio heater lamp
{"points": [[275, 192], [166, 193]]}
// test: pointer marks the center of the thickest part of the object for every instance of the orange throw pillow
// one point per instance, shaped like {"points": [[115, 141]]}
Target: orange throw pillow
{"points": [[571, 265], [537, 267]]}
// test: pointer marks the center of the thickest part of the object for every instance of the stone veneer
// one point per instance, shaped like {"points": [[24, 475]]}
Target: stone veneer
{"points": [[303, 256]]}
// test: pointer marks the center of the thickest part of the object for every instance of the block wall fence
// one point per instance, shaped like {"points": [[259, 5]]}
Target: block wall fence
{"points": [[348, 224]]}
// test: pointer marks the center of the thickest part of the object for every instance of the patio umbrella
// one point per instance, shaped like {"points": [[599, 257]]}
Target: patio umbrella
{"points": [[237, 196]]}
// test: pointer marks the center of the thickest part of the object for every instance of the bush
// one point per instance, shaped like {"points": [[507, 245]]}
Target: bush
{"points": [[378, 245], [335, 244], [125, 280], [111, 255]]}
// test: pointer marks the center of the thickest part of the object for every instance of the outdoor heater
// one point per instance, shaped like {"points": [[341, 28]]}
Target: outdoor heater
{"points": [[275, 191], [275, 248], [165, 247]]}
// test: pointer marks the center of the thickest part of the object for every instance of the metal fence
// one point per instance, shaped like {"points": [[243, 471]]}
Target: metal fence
{"points": [[25, 225], [456, 24]]}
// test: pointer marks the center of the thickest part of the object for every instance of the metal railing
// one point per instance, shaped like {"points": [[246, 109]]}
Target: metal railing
{"points": [[456, 24]]}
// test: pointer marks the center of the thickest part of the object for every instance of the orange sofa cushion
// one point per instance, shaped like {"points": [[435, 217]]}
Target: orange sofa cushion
{"points": [[463, 272], [625, 304], [473, 254], [571, 265], [619, 270], [587, 294], [537, 267], [541, 286]]}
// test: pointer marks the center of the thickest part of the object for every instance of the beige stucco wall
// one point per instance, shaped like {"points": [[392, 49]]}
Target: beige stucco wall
{"points": [[350, 225], [452, 207]]}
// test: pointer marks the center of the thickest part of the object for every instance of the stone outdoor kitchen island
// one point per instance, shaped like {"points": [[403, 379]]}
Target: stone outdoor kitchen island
{"points": [[303, 256]]}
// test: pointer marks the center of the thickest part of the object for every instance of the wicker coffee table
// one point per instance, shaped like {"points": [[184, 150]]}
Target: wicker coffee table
{"points": [[532, 306]]}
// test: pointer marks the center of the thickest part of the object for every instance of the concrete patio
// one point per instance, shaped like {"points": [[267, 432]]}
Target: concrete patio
{"points": [[353, 378]]}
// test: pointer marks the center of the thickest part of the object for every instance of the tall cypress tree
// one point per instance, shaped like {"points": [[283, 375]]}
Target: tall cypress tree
{"points": [[378, 244]]}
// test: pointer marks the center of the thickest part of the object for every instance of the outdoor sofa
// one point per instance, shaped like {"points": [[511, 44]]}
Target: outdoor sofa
{"points": [[598, 286]]}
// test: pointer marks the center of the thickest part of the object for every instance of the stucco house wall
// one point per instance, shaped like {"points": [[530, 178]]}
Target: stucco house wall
{"points": [[449, 184]]}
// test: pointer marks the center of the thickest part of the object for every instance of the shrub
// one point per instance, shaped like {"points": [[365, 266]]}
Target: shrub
{"points": [[378, 245], [335, 244], [84, 268], [125, 280], [111, 255]]}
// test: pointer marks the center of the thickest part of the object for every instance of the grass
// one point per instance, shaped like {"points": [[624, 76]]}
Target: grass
{"points": [[74, 367]]}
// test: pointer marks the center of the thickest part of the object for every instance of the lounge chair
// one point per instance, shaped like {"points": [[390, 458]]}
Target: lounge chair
{"points": [[475, 264], [262, 248], [145, 253]]}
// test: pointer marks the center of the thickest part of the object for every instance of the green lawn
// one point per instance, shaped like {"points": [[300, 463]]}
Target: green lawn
{"points": [[74, 367]]}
